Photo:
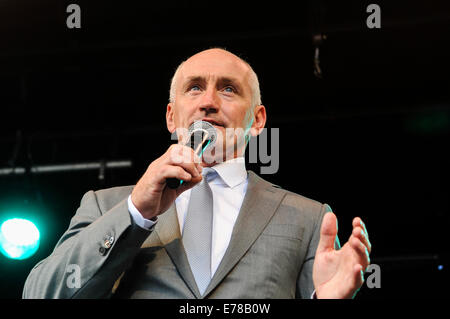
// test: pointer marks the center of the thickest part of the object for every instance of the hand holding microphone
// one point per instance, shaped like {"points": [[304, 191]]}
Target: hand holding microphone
{"points": [[179, 168], [202, 135]]}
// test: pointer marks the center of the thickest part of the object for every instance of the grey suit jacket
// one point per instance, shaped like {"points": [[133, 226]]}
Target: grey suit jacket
{"points": [[105, 254]]}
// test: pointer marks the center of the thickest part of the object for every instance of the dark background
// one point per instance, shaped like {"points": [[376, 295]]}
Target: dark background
{"points": [[370, 138]]}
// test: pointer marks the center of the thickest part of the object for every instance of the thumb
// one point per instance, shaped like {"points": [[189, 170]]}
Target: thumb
{"points": [[328, 232]]}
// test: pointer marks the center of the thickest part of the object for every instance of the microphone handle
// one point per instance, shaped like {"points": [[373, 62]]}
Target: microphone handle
{"points": [[173, 183]]}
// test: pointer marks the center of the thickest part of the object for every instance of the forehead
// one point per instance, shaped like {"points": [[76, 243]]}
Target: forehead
{"points": [[215, 64]]}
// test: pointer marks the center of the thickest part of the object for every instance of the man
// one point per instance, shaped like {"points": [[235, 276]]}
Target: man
{"points": [[261, 241]]}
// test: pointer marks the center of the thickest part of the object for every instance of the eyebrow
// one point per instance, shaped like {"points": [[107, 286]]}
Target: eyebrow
{"points": [[193, 79]]}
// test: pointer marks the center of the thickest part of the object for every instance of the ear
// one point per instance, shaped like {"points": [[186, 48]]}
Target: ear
{"points": [[259, 120], [170, 122]]}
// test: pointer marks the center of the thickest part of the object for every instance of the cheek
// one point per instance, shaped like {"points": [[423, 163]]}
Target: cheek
{"points": [[238, 116], [182, 115], [178, 120]]}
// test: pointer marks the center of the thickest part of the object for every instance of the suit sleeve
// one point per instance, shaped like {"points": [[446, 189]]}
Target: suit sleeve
{"points": [[90, 256], [305, 285]]}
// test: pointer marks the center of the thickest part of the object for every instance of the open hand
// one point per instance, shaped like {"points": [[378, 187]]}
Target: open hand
{"points": [[340, 273]]}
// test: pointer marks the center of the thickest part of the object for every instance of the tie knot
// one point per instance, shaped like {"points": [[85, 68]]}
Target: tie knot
{"points": [[208, 171]]}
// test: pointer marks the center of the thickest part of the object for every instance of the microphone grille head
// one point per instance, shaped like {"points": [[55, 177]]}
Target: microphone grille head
{"points": [[204, 127]]}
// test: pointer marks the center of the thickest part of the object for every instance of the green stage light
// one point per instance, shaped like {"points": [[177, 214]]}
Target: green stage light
{"points": [[19, 238]]}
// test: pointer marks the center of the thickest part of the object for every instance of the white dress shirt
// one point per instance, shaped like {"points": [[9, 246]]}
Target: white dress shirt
{"points": [[228, 187]]}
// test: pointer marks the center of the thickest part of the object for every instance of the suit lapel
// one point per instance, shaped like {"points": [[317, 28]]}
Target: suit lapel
{"points": [[260, 203], [168, 231]]}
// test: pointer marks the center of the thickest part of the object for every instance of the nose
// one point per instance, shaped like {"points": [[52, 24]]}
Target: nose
{"points": [[210, 102]]}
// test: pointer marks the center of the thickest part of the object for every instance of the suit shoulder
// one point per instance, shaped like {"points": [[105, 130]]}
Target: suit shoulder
{"points": [[292, 200], [304, 210], [110, 197], [303, 202], [115, 191]]}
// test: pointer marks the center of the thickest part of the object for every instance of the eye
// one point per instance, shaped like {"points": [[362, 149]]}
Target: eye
{"points": [[194, 88], [229, 89]]}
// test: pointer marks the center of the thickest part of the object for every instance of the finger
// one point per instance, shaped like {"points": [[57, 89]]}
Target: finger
{"points": [[190, 168], [361, 252], [171, 171], [187, 185], [177, 154], [359, 233], [357, 221], [328, 232], [358, 277], [184, 157]]}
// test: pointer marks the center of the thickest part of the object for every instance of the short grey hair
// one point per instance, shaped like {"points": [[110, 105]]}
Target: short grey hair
{"points": [[254, 83]]}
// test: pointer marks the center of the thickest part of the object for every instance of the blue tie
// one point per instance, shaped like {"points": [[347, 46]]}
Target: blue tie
{"points": [[197, 231]]}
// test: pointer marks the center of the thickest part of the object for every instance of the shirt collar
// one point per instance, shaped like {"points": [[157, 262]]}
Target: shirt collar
{"points": [[232, 172]]}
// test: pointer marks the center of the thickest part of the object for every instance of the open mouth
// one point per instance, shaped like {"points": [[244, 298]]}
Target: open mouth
{"points": [[213, 122]]}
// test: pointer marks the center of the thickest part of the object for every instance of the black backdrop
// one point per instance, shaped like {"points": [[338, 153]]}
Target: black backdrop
{"points": [[370, 138]]}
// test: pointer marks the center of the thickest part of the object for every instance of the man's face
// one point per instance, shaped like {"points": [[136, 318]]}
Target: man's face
{"points": [[212, 86]]}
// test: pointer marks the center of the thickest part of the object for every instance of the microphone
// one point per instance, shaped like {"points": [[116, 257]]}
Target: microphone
{"points": [[201, 136]]}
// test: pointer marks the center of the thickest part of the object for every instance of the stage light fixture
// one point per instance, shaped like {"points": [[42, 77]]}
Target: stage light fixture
{"points": [[19, 238]]}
